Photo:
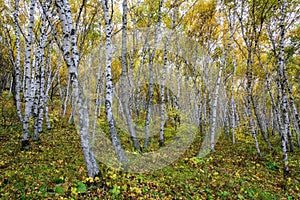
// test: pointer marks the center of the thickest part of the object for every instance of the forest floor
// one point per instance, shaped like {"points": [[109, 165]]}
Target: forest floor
{"points": [[54, 168]]}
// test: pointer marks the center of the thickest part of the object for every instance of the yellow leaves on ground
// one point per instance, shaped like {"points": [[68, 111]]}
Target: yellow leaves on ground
{"points": [[136, 190], [91, 180]]}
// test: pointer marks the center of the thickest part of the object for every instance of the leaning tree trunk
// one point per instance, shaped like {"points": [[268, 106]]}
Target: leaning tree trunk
{"points": [[121, 154], [71, 57], [259, 123], [249, 112], [249, 44]]}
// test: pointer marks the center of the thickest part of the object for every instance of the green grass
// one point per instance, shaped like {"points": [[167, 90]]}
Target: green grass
{"points": [[54, 169]]}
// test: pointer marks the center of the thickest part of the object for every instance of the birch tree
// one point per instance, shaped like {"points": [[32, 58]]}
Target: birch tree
{"points": [[27, 80], [248, 35], [232, 22], [150, 89], [71, 57], [17, 62], [215, 104], [124, 84], [40, 82], [121, 155], [283, 84]]}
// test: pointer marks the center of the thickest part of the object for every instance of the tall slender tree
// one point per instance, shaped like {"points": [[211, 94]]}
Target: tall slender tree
{"points": [[121, 154]]}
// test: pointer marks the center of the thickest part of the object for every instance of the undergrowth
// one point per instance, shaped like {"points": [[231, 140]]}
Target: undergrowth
{"points": [[54, 168]]}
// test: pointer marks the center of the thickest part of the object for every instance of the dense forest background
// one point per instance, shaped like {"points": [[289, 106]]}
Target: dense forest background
{"points": [[150, 99]]}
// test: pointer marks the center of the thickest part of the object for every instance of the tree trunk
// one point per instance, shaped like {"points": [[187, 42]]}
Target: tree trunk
{"points": [[27, 81], [72, 61], [150, 89], [283, 84], [17, 62], [259, 122], [214, 107], [121, 154], [124, 85], [162, 93]]}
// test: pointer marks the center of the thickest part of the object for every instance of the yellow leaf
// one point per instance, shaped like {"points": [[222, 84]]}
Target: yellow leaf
{"points": [[114, 177], [289, 181], [237, 174], [74, 190], [216, 173]]}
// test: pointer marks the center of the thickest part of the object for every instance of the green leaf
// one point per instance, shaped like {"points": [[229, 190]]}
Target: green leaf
{"points": [[81, 188], [59, 190], [42, 188]]}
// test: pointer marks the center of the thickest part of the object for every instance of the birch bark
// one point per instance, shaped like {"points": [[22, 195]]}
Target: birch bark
{"points": [[27, 81], [71, 57], [17, 62], [214, 107], [150, 89], [121, 154], [283, 84]]}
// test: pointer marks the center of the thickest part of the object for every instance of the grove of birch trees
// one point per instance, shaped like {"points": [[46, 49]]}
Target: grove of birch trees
{"points": [[215, 68]]}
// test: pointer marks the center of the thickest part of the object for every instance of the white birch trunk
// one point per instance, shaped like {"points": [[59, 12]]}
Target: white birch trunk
{"points": [[232, 21], [283, 84], [17, 62], [27, 81], [72, 61], [248, 39], [121, 154], [125, 100], [162, 93], [37, 95], [66, 96], [214, 108], [42, 46], [150, 89]]}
